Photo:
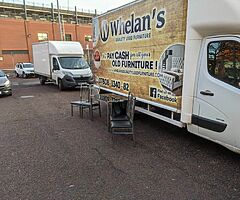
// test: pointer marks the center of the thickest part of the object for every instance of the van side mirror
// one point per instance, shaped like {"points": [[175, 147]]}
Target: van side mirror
{"points": [[55, 67]]}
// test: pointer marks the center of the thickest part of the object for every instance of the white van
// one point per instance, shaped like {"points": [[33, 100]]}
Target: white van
{"points": [[61, 62], [180, 58]]}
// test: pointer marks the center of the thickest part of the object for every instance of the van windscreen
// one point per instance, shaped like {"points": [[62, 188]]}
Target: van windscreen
{"points": [[73, 63]]}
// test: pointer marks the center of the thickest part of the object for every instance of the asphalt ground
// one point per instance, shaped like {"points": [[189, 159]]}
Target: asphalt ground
{"points": [[47, 154]]}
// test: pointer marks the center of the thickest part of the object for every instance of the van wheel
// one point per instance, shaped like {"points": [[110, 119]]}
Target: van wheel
{"points": [[60, 85], [17, 75], [42, 80]]}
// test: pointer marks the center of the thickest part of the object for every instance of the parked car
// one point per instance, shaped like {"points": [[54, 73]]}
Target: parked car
{"points": [[5, 84], [24, 70]]}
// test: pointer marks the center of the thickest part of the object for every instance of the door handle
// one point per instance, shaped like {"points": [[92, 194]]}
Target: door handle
{"points": [[207, 93]]}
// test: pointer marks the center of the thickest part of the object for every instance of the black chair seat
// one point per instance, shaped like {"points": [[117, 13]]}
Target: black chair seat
{"points": [[121, 124], [119, 118]]}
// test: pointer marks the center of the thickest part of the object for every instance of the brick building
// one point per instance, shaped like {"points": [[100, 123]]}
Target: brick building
{"points": [[22, 25]]}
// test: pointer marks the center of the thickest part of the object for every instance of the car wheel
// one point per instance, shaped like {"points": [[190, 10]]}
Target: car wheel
{"points": [[60, 85], [42, 80], [24, 75], [17, 75]]}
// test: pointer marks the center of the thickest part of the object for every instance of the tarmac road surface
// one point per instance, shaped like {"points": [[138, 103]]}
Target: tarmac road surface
{"points": [[47, 154]]}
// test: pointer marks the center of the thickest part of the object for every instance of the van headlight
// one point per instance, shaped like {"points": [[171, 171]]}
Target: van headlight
{"points": [[90, 74], [7, 83]]}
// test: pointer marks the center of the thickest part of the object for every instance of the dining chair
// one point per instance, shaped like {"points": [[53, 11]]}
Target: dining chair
{"points": [[94, 101], [121, 122], [84, 94], [118, 110]]}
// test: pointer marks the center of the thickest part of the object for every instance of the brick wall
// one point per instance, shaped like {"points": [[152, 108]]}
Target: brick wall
{"points": [[20, 34]]}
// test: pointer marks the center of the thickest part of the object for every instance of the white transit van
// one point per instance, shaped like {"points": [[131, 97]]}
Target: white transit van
{"points": [[61, 62], [180, 58]]}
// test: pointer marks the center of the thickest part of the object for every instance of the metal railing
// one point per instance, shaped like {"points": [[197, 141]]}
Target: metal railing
{"points": [[45, 5]]}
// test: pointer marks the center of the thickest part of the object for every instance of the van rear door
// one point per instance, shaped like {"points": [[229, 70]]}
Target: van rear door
{"points": [[217, 97]]}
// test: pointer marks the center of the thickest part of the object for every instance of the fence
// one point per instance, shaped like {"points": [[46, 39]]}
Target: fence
{"points": [[45, 5]]}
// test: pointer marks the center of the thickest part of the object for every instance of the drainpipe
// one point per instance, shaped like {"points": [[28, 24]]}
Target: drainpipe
{"points": [[27, 35]]}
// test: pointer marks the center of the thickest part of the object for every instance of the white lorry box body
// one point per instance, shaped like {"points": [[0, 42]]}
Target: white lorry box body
{"points": [[41, 59], [181, 56], [69, 61]]}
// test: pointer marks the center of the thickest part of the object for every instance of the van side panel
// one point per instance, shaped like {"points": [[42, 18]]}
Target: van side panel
{"points": [[41, 59], [140, 48]]}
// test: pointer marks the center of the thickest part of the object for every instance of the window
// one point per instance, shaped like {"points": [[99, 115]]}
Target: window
{"points": [[68, 37], [88, 38], [55, 64], [2, 74], [14, 52], [73, 63], [42, 36], [224, 61], [28, 65]]}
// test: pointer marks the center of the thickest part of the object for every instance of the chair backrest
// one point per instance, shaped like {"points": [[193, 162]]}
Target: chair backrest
{"points": [[84, 92], [118, 108], [131, 107], [94, 93]]}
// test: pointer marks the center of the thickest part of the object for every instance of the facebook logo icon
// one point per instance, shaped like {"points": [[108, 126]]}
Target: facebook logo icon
{"points": [[153, 92]]}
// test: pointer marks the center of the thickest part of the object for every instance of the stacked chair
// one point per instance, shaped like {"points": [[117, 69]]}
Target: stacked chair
{"points": [[121, 116], [89, 99]]}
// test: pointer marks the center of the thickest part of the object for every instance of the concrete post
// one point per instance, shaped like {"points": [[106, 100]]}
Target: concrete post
{"points": [[76, 16], [25, 9], [52, 12], [59, 21]]}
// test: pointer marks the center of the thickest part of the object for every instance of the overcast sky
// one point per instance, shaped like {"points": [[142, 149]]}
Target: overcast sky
{"points": [[100, 5]]}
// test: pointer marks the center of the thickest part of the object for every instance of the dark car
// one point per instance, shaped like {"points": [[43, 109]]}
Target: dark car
{"points": [[5, 84]]}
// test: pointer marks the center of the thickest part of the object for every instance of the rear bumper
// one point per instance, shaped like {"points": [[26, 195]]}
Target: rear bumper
{"points": [[71, 82]]}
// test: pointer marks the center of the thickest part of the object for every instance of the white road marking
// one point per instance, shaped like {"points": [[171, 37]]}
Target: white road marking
{"points": [[31, 83], [25, 97], [26, 83]]}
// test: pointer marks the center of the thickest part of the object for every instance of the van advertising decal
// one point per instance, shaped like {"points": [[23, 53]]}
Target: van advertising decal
{"points": [[140, 48]]}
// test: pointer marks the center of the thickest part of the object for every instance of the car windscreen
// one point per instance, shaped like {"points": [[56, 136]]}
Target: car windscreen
{"points": [[27, 65], [73, 63], [2, 74]]}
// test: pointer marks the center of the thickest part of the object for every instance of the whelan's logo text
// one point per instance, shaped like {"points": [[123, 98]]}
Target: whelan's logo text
{"points": [[134, 28]]}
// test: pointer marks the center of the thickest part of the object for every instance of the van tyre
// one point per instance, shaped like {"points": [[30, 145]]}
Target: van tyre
{"points": [[17, 75], [60, 85], [42, 80]]}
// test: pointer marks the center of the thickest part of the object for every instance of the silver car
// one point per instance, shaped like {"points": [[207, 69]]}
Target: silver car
{"points": [[5, 84]]}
